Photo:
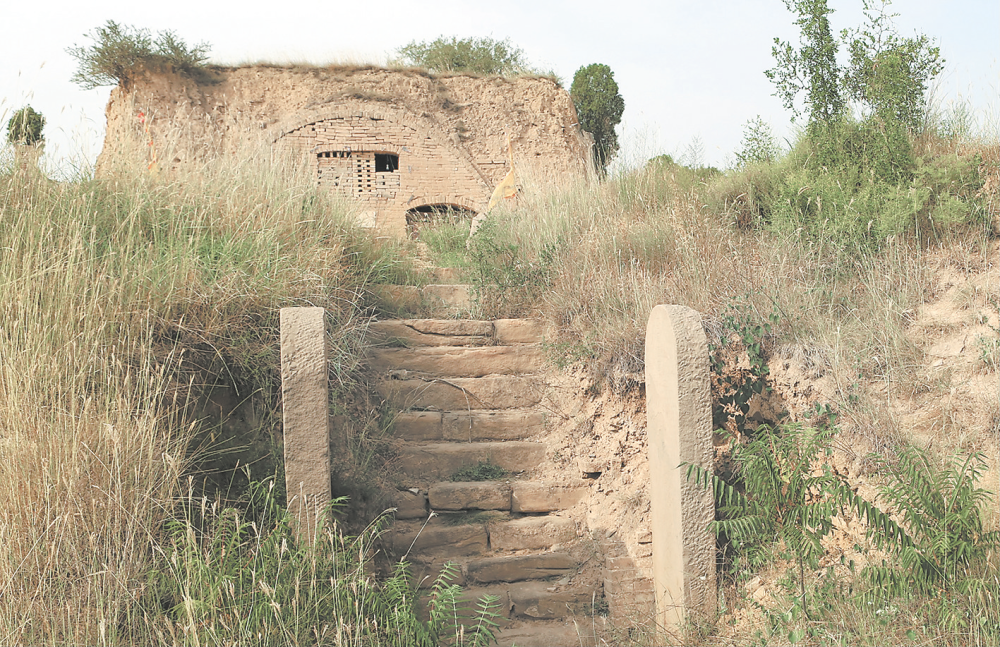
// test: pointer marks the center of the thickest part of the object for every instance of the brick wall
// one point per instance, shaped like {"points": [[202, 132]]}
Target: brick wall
{"points": [[343, 150]]}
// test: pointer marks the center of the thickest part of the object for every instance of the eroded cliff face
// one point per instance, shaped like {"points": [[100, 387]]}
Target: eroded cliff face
{"points": [[455, 126]]}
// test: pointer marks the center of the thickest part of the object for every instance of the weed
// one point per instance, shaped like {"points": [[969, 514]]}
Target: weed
{"points": [[482, 471]]}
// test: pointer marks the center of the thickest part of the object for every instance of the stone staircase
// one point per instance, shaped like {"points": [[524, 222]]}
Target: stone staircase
{"points": [[468, 395]]}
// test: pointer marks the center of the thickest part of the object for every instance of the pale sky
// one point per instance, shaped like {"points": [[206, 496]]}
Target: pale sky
{"points": [[691, 73]]}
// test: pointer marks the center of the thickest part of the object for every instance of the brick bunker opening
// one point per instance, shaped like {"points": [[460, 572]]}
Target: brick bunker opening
{"points": [[434, 214]]}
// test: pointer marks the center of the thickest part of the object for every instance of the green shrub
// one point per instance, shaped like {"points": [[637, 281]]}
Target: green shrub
{"points": [[118, 50], [758, 145], [24, 128], [944, 540], [506, 278], [476, 55]]}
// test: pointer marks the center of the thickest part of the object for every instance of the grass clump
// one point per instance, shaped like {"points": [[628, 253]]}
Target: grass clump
{"points": [[231, 575], [485, 470]]}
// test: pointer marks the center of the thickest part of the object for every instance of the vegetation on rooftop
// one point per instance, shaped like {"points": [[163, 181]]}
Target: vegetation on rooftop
{"points": [[118, 51]]}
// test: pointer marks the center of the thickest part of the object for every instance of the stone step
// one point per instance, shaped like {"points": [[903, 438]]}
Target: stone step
{"points": [[457, 361], [535, 496], [562, 633], [469, 495], [454, 298], [463, 393], [436, 541], [456, 332], [468, 426], [428, 462], [518, 568], [532, 533], [432, 332], [548, 601]]}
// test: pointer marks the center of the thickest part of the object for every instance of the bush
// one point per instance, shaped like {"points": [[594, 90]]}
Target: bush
{"points": [[119, 49], [476, 55], [24, 128], [599, 108]]}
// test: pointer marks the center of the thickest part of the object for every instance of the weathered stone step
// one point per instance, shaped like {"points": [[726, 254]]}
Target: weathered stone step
{"points": [[437, 540], [469, 495], [518, 568], [468, 426], [456, 332], [562, 633], [458, 361], [432, 332], [462, 393], [516, 496], [544, 601], [532, 533], [439, 461], [410, 298]]}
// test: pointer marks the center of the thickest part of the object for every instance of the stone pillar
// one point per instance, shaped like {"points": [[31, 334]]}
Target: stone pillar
{"points": [[679, 430], [305, 415]]}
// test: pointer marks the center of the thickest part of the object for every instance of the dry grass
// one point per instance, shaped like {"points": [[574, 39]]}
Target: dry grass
{"points": [[110, 292]]}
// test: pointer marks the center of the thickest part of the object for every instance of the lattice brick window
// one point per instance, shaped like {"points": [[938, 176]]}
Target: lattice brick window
{"points": [[361, 174]]}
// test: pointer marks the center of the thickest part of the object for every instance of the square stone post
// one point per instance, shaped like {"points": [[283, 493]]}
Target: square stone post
{"points": [[679, 430], [305, 415]]}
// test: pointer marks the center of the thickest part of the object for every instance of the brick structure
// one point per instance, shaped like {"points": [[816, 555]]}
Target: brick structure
{"points": [[397, 141], [389, 161]]}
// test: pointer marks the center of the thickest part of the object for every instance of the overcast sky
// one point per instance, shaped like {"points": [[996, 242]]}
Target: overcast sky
{"points": [[691, 73]]}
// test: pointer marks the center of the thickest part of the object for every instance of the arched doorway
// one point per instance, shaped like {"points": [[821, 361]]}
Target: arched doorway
{"points": [[444, 220]]}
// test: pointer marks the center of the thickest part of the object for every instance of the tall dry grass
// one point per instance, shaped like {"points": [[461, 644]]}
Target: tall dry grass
{"points": [[112, 294]]}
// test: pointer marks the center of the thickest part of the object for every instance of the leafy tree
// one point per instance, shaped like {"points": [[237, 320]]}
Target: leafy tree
{"points": [[812, 68], [477, 55], [25, 127], [758, 143], [599, 108], [119, 49], [887, 73]]}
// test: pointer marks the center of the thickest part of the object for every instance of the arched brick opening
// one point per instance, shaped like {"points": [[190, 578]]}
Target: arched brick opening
{"points": [[391, 161]]}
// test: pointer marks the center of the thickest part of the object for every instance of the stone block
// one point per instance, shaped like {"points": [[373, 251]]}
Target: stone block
{"points": [[439, 461], [409, 505], [492, 425], [546, 634], [305, 412], [431, 332], [417, 425], [532, 496], [463, 393], [679, 431], [458, 361], [437, 540], [540, 600], [518, 331], [532, 533], [516, 568], [481, 495]]}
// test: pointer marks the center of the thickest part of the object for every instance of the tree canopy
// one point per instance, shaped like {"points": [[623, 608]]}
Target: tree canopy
{"points": [[599, 107], [25, 127]]}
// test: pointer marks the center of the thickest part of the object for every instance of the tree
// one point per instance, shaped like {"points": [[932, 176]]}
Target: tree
{"points": [[119, 49], [812, 68], [599, 108], [476, 55], [889, 74], [24, 128]]}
